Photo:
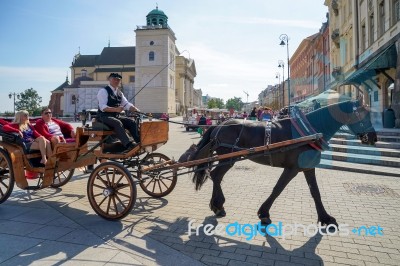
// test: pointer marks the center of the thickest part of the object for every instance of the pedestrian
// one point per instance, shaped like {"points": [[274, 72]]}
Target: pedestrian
{"points": [[316, 104], [83, 117], [253, 114]]}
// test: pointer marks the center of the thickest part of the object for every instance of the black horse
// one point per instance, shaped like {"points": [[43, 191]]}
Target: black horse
{"points": [[234, 135]]}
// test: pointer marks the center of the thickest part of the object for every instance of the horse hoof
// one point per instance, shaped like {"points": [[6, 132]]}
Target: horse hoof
{"points": [[328, 221], [265, 221], [220, 213]]}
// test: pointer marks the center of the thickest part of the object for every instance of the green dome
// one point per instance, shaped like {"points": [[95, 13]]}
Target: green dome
{"points": [[156, 17], [156, 12]]}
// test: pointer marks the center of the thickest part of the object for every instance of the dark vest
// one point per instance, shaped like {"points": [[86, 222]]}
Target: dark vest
{"points": [[113, 101]]}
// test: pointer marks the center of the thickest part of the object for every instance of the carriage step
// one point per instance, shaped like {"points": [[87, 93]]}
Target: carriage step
{"points": [[361, 158], [359, 168]]}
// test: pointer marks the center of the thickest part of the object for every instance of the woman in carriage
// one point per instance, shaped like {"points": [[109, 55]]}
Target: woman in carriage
{"points": [[31, 138]]}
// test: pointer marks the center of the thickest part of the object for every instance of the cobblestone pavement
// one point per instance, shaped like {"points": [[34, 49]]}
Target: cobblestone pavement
{"points": [[354, 199]]}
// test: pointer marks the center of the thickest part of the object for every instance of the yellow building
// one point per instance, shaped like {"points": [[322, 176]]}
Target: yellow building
{"points": [[364, 52]]}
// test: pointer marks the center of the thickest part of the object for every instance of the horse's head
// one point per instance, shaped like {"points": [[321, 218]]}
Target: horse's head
{"points": [[188, 155], [360, 123]]}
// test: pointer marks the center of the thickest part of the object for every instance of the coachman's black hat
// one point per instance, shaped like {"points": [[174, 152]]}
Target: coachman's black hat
{"points": [[115, 75]]}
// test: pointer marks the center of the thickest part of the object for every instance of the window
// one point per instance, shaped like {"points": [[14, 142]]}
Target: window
{"points": [[351, 57], [151, 56], [151, 43], [395, 12], [363, 38], [381, 11], [132, 79], [371, 29]]}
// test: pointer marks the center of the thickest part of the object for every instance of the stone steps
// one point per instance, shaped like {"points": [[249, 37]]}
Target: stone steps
{"points": [[362, 158], [346, 153], [356, 142], [366, 150], [359, 168]]}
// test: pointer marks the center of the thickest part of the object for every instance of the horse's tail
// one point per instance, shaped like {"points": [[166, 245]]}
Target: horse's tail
{"points": [[204, 150]]}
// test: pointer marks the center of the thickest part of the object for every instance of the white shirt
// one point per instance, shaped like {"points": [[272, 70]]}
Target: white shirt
{"points": [[102, 97]]}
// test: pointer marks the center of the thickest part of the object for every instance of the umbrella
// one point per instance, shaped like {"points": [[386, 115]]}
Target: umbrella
{"points": [[325, 98]]}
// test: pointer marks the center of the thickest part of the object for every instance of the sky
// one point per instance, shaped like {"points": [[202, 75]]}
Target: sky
{"points": [[235, 44]]}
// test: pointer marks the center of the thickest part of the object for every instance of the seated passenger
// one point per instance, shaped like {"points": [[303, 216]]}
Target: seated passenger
{"points": [[111, 103], [53, 129], [3, 122], [32, 139]]}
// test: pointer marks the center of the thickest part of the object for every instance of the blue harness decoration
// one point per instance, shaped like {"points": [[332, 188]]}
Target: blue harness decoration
{"points": [[304, 128]]}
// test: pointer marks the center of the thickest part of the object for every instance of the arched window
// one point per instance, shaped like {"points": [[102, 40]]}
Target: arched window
{"points": [[154, 21], [151, 56]]}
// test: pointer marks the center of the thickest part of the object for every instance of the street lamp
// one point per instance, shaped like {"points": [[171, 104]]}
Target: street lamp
{"points": [[75, 101], [278, 76], [282, 65], [11, 95], [285, 41]]}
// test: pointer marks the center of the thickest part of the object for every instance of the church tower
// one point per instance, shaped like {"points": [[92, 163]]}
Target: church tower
{"points": [[155, 65]]}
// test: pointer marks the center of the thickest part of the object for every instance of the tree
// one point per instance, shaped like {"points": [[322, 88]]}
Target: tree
{"points": [[215, 103], [235, 103], [29, 100]]}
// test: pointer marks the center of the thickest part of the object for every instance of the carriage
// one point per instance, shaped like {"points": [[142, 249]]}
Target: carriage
{"points": [[111, 187]]}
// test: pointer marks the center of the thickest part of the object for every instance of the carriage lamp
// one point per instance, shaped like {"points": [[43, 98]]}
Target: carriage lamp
{"points": [[285, 41]]}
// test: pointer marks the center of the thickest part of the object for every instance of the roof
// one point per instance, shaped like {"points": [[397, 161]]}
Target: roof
{"points": [[156, 12], [117, 56], [62, 86], [109, 56], [85, 61]]}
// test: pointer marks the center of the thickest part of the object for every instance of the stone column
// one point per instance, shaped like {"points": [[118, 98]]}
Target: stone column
{"points": [[396, 90]]}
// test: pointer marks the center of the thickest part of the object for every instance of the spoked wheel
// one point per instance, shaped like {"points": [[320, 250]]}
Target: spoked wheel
{"points": [[6, 176], [62, 178], [154, 183], [111, 191]]}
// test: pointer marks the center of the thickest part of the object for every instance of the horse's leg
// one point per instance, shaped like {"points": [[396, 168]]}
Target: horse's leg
{"points": [[217, 200], [323, 216], [287, 175]]}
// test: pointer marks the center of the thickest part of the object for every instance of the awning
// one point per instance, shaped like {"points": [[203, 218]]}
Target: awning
{"points": [[384, 60]]}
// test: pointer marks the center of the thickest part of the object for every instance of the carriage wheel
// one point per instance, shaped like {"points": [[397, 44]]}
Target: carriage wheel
{"points": [[111, 191], [6, 176], [154, 183], [62, 178]]}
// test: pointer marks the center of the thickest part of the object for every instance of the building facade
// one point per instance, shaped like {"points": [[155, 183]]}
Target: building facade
{"points": [[310, 66], [364, 53], [155, 77]]}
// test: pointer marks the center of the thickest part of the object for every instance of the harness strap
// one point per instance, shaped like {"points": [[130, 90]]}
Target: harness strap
{"points": [[267, 140]]}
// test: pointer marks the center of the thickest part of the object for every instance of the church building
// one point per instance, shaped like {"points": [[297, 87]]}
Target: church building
{"points": [[155, 76]]}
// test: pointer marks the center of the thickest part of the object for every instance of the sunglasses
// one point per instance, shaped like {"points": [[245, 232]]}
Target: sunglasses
{"points": [[47, 113]]}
